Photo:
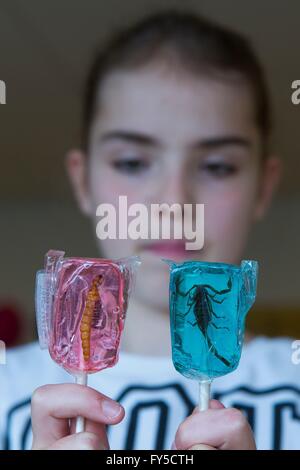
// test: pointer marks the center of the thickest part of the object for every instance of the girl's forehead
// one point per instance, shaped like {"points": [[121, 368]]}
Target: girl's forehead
{"points": [[156, 99]]}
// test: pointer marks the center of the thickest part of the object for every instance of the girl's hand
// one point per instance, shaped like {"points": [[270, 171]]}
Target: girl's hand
{"points": [[216, 428], [54, 408]]}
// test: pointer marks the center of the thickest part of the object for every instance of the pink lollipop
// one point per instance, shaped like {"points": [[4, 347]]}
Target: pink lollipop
{"points": [[81, 306]]}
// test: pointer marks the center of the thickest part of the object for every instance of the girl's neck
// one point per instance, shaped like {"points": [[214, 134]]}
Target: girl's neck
{"points": [[147, 331]]}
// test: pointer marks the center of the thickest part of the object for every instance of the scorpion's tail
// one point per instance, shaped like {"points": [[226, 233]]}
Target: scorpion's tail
{"points": [[213, 349]]}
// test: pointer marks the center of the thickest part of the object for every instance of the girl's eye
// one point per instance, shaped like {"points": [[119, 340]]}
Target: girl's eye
{"points": [[219, 169], [131, 165]]}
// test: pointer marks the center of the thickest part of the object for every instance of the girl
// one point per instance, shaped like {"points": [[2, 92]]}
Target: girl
{"points": [[176, 111]]}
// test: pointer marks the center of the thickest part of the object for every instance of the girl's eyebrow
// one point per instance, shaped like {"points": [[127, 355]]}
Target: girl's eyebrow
{"points": [[205, 143], [222, 141], [129, 136]]}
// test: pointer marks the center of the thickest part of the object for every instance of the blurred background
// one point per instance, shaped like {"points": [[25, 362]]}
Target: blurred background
{"points": [[45, 49]]}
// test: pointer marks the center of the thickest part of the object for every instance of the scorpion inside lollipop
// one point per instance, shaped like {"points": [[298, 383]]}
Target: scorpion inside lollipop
{"points": [[200, 302], [81, 305], [208, 306]]}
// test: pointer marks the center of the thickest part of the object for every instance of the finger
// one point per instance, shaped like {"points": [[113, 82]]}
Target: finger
{"points": [[213, 404], [216, 405], [53, 405], [92, 427], [80, 441], [218, 428]]}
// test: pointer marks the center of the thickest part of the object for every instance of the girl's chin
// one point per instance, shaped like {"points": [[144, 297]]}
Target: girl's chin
{"points": [[156, 256]]}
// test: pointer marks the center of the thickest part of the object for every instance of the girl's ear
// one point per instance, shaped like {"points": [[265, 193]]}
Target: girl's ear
{"points": [[76, 167], [270, 178]]}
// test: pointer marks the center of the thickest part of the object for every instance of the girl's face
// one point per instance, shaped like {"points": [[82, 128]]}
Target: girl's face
{"points": [[163, 138]]}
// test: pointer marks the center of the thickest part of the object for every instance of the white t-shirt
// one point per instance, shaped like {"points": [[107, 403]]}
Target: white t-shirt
{"points": [[266, 386]]}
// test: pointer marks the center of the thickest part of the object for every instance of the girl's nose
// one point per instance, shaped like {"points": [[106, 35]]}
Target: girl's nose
{"points": [[174, 188]]}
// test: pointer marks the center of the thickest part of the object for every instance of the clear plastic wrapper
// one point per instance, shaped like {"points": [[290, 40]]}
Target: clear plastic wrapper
{"points": [[208, 306], [81, 306]]}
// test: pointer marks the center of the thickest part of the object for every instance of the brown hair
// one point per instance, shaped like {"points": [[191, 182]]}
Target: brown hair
{"points": [[197, 44]]}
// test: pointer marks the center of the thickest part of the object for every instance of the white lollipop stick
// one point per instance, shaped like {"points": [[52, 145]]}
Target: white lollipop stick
{"points": [[204, 394], [80, 379]]}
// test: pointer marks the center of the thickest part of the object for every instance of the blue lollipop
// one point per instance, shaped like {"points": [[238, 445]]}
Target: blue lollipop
{"points": [[208, 306]]}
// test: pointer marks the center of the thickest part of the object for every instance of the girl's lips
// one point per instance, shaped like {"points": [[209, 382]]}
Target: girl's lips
{"points": [[172, 249]]}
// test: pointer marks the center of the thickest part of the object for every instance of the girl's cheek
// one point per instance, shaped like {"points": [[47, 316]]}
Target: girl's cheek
{"points": [[107, 186], [228, 214]]}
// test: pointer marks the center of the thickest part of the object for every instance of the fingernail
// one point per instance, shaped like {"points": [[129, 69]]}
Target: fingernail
{"points": [[111, 409]]}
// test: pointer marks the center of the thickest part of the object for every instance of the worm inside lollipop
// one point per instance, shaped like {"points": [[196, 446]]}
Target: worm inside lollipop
{"points": [[208, 306], [81, 305]]}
